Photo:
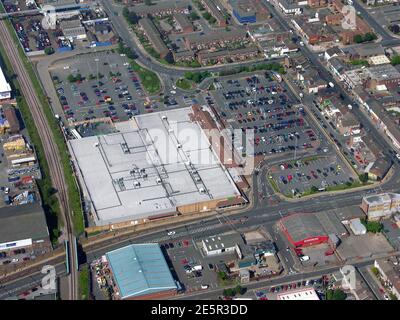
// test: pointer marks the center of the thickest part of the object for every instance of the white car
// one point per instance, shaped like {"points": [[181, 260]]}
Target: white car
{"points": [[398, 156], [15, 260], [171, 233], [204, 286], [304, 258], [173, 92], [386, 297]]}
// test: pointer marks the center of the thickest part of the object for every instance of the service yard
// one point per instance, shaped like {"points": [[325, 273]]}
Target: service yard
{"points": [[301, 177], [183, 255], [264, 105]]}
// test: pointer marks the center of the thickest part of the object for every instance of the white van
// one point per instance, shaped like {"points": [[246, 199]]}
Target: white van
{"points": [[304, 258]]}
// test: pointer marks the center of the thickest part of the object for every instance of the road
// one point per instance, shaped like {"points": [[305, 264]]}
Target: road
{"points": [[49, 145]]}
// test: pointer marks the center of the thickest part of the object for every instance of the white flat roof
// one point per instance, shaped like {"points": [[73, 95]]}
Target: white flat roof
{"points": [[4, 85], [304, 294], [173, 150]]}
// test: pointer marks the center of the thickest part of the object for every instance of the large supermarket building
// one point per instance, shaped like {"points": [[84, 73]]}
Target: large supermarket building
{"points": [[157, 165]]}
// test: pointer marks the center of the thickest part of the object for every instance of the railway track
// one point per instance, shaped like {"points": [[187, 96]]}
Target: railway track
{"points": [[50, 149]]}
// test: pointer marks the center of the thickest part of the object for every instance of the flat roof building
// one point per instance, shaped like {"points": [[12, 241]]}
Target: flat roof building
{"points": [[303, 229], [140, 271], [243, 11], [380, 205], [303, 294], [159, 164], [5, 88], [220, 244], [23, 226]]}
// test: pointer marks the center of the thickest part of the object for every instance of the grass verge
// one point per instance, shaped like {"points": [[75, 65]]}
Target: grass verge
{"points": [[84, 283], [184, 84], [149, 79]]}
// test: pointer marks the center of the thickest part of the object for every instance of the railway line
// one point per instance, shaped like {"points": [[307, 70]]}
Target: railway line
{"points": [[50, 149]]}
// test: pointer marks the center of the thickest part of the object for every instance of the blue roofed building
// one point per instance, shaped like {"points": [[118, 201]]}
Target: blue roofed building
{"points": [[243, 12], [141, 272]]}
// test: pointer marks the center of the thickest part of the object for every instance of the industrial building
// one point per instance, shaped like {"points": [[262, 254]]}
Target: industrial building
{"points": [[307, 229], [5, 88], [140, 271], [228, 243], [23, 226], [73, 29], [157, 165], [357, 227], [13, 122], [243, 11], [303, 294], [380, 205]]}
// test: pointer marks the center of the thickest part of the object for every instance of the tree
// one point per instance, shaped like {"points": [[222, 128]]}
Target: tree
{"points": [[375, 271], [194, 16], [395, 60], [395, 28], [49, 50], [363, 177], [240, 290], [369, 36], [336, 294], [314, 189], [222, 275], [229, 292], [358, 38]]}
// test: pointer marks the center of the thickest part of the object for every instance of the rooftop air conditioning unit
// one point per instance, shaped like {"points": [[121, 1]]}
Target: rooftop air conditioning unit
{"points": [[164, 117]]}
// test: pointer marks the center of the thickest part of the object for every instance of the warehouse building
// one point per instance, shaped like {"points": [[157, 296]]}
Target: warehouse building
{"points": [[24, 226], [227, 243], [303, 230], [151, 170], [380, 205], [5, 88], [307, 229], [140, 271], [73, 30]]}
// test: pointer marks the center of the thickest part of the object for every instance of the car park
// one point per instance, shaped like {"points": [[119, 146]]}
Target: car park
{"points": [[265, 107]]}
